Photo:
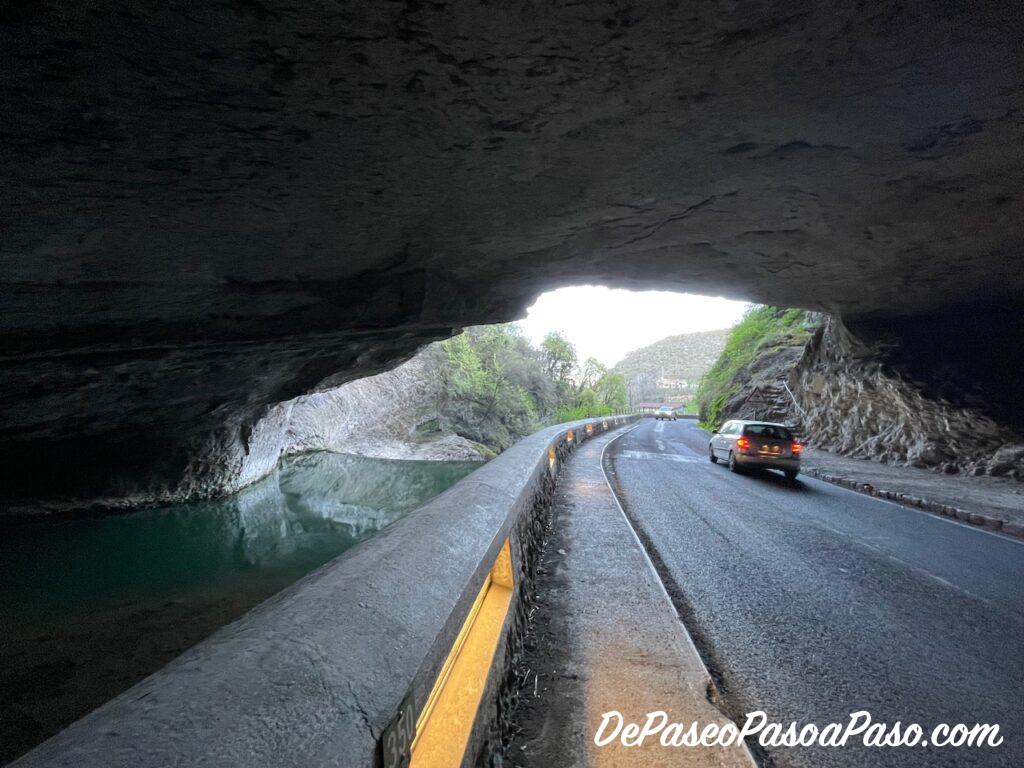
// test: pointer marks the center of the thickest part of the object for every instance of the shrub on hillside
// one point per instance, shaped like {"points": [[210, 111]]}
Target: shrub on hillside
{"points": [[762, 330]]}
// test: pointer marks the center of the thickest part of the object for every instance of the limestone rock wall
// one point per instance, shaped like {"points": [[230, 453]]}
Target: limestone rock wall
{"points": [[769, 373], [850, 402], [844, 395], [211, 208], [377, 416]]}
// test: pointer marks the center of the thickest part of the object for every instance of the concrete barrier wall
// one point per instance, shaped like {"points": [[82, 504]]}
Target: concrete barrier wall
{"points": [[314, 675]]}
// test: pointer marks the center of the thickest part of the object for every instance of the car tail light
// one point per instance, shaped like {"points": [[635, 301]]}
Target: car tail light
{"points": [[742, 443], [796, 448]]}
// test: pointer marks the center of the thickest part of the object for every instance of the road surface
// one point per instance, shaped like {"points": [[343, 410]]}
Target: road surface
{"points": [[809, 601]]}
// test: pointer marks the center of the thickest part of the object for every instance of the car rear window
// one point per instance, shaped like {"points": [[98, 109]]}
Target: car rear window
{"points": [[768, 430]]}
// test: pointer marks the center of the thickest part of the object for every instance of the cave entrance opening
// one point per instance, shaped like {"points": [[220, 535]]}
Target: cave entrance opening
{"points": [[658, 344]]}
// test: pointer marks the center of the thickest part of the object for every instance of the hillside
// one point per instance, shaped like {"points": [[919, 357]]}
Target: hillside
{"points": [[760, 350], [670, 370]]}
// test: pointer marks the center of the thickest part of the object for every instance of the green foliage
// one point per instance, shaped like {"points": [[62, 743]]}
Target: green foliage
{"points": [[495, 387], [762, 329], [559, 357], [586, 404], [590, 373], [612, 392]]}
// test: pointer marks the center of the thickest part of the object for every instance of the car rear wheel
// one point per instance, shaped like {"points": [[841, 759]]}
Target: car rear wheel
{"points": [[790, 474], [733, 466]]}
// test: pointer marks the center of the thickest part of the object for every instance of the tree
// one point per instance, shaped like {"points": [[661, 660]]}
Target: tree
{"points": [[559, 357], [612, 391], [493, 386], [592, 372]]}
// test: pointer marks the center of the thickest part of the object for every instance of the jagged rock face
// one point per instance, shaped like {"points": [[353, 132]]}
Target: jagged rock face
{"points": [[212, 208], [380, 416], [769, 373], [852, 395], [850, 402], [966, 355]]}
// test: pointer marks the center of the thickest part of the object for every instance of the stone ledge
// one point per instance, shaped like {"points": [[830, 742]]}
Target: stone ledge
{"points": [[313, 676]]}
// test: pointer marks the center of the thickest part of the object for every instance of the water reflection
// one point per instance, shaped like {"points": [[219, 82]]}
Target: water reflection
{"points": [[90, 606]]}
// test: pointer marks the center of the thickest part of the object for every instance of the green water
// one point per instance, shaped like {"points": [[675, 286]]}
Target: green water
{"points": [[90, 606]]}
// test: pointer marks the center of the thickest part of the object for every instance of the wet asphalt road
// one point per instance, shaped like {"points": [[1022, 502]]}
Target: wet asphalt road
{"points": [[809, 601]]}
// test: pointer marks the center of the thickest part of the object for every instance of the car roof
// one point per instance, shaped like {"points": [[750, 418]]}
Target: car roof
{"points": [[746, 422]]}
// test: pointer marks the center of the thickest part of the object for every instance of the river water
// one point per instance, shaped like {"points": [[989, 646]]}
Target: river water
{"points": [[89, 606]]}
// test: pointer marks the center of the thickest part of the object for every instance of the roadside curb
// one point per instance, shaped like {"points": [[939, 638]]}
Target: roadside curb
{"points": [[988, 522]]}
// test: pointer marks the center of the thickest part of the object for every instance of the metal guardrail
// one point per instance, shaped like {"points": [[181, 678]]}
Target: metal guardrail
{"points": [[318, 674]]}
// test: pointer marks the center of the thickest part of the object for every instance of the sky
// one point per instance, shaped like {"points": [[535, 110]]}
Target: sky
{"points": [[606, 323]]}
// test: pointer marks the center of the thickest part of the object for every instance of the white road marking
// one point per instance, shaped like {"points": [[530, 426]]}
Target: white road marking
{"points": [[862, 540], [926, 513], [899, 561], [646, 455], [661, 445]]}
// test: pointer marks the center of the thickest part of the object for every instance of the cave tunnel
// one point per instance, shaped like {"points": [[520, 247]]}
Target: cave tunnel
{"points": [[212, 208]]}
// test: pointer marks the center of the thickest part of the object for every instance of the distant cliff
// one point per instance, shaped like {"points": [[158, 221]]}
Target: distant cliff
{"points": [[670, 370]]}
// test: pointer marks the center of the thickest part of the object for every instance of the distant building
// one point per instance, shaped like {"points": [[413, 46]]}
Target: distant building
{"points": [[666, 382]]}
